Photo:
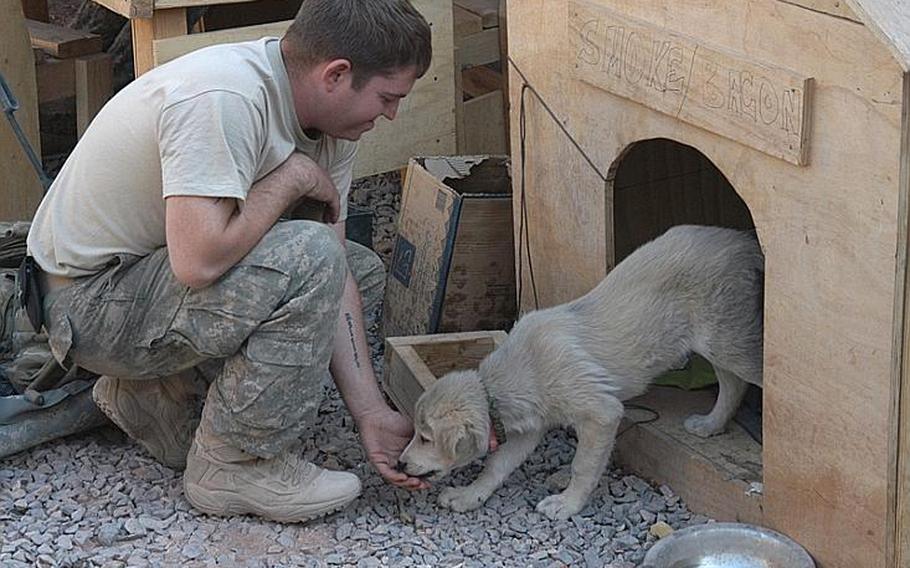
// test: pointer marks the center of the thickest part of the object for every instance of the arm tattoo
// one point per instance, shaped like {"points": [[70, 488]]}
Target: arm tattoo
{"points": [[350, 319]]}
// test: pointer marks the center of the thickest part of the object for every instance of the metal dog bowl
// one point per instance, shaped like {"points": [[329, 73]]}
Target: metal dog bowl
{"points": [[727, 545]]}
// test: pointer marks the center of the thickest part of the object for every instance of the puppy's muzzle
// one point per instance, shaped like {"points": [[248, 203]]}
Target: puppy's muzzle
{"points": [[402, 466]]}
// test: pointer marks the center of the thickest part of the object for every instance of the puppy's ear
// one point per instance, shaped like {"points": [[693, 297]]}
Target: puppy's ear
{"points": [[461, 441]]}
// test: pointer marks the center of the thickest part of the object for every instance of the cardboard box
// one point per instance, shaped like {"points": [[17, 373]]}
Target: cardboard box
{"points": [[453, 266], [413, 363]]}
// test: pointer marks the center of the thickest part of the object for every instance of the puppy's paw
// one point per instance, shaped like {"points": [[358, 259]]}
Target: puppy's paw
{"points": [[460, 499], [559, 507], [702, 426]]}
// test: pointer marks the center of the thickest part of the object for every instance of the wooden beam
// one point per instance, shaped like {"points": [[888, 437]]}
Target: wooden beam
{"points": [[162, 24], [486, 10], [484, 131], [164, 50], [167, 4], [478, 81], [465, 23], [719, 477], [56, 79], [413, 363], [504, 67], [94, 85], [479, 49], [898, 529], [20, 190], [62, 42], [130, 9]]}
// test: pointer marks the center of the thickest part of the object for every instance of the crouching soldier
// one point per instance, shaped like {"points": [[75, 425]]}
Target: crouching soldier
{"points": [[162, 258]]}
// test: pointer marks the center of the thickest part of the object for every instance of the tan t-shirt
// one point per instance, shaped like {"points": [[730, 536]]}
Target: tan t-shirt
{"points": [[208, 124]]}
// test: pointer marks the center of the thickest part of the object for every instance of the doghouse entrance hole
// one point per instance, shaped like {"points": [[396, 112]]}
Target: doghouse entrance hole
{"points": [[658, 184]]}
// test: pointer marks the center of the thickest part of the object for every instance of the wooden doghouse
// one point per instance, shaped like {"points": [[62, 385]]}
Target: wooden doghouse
{"points": [[787, 115]]}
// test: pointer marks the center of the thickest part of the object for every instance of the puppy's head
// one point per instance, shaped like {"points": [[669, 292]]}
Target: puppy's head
{"points": [[451, 426]]}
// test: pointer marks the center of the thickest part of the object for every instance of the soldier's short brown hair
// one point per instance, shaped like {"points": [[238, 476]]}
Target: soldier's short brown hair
{"points": [[376, 36]]}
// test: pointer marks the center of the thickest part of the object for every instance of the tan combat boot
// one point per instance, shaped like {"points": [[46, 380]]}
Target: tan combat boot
{"points": [[222, 480], [160, 414]]}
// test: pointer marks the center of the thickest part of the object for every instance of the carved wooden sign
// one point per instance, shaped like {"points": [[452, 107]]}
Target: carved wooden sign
{"points": [[760, 105]]}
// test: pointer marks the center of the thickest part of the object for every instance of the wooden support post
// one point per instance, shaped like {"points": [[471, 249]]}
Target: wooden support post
{"points": [[162, 24], [94, 85], [62, 42], [504, 68], [20, 190]]}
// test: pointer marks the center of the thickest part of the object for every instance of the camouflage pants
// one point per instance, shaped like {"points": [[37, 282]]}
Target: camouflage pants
{"points": [[266, 326]]}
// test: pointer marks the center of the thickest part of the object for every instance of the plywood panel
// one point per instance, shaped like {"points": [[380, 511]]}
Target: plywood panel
{"points": [[828, 231], [484, 131], [20, 190], [62, 42]]}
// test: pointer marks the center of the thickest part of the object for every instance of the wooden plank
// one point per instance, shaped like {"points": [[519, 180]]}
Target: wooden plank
{"points": [[56, 79], [898, 552], [838, 8], [486, 10], [829, 280], [129, 9], [504, 58], [479, 49], [753, 102], [719, 477], [484, 130], [163, 24], [478, 81], [413, 363], [62, 42], [169, 4], [167, 49], [465, 23], [20, 190], [94, 86], [459, 109], [407, 377]]}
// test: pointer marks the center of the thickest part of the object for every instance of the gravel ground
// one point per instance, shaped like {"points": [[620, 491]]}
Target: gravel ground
{"points": [[97, 499]]}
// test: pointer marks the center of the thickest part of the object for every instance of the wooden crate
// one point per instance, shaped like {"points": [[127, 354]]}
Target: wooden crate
{"points": [[413, 363]]}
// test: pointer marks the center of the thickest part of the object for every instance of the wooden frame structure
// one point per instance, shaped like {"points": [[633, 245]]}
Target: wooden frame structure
{"points": [[413, 363], [426, 121], [804, 107]]}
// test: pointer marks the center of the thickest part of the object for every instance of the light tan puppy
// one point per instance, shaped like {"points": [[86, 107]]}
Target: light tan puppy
{"points": [[693, 289]]}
